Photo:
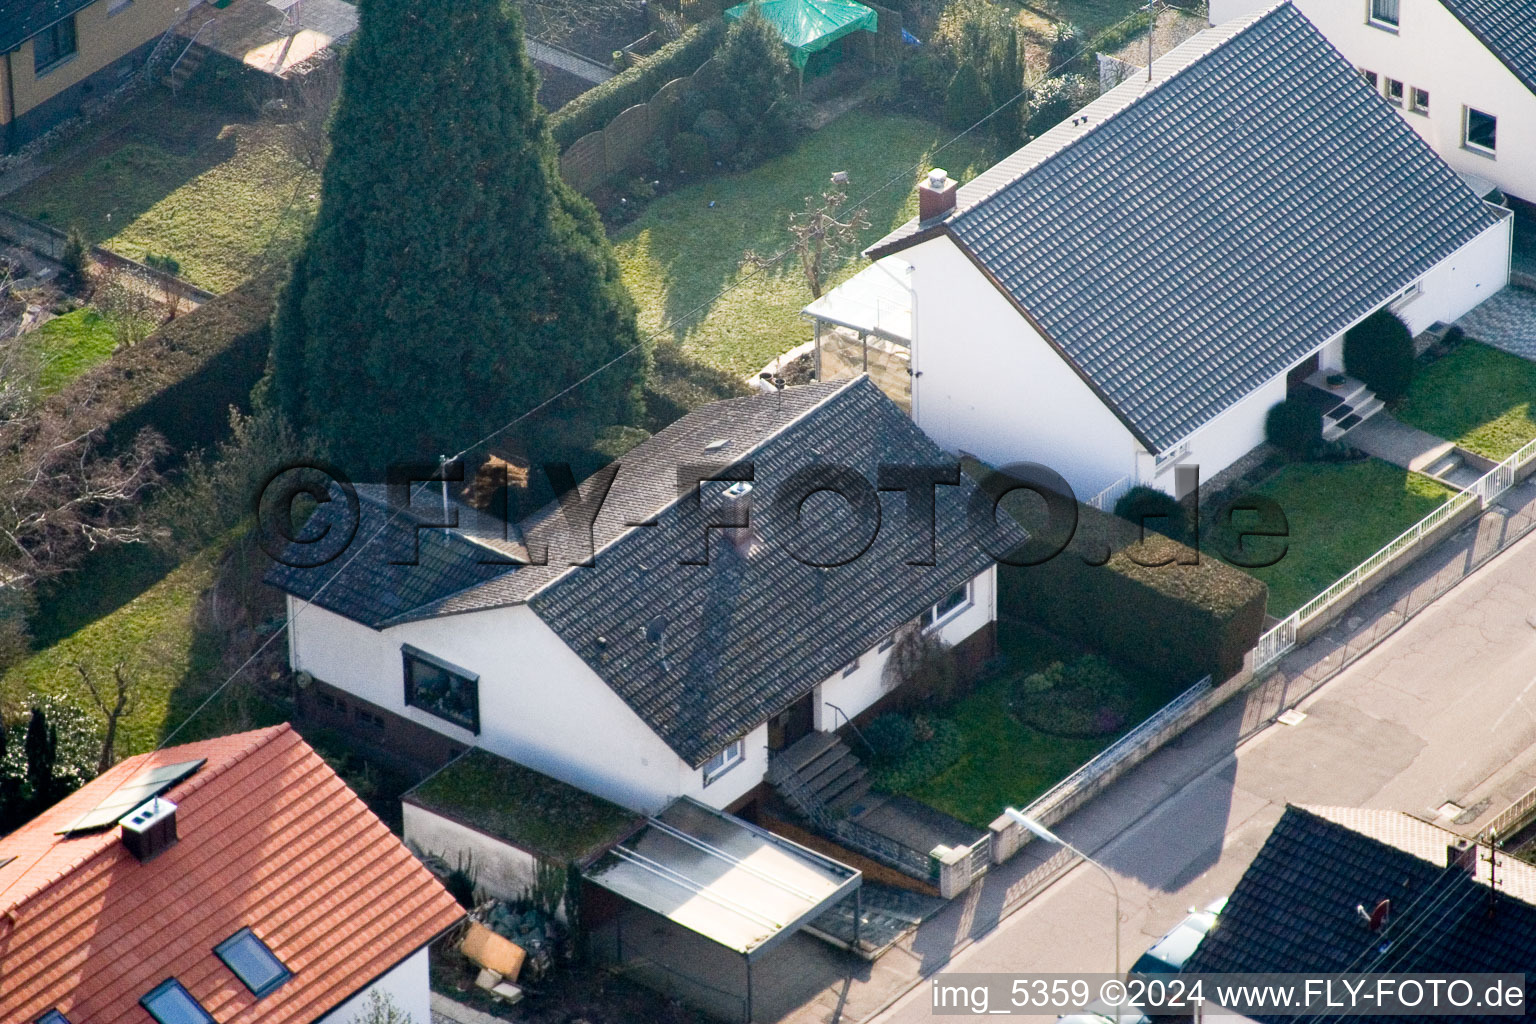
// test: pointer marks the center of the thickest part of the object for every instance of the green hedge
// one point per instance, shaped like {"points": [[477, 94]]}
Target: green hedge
{"points": [[182, 379], [593, 109], [1180, 621]]}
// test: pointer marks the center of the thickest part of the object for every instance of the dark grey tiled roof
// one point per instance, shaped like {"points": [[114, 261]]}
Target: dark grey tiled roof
{"points": [[1204, 233], [20, 20], [1294, 911], [1507, 28], [732, 642]]}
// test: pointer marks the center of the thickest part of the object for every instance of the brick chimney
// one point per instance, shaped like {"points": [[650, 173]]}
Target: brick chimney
{"points": [[936, 195]]}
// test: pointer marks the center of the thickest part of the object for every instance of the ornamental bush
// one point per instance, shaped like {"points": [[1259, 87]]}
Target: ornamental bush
{"points": [[1155, 510], [1379, 351], [1295, 427]]}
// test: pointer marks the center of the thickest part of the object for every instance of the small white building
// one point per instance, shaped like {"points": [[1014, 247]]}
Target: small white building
{"points": [[642, 677], [1132, 291], [1461, 72]]}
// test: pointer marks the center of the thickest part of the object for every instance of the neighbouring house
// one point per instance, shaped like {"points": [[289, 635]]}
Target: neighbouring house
{"points": [[233, 880], [645, 676], [1461, 72], [56, 54], [1131, 292], [1374, 892]]}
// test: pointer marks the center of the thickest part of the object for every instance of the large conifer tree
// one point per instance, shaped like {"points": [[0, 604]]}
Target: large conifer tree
{"points": [[452, 280]]}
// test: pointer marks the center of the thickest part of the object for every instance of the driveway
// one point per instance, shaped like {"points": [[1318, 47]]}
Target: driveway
{"points": [[1443, 711], [1506, 320]]}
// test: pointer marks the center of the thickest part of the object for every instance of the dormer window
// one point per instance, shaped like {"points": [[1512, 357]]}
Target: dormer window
{"points": [[1384, 13]]}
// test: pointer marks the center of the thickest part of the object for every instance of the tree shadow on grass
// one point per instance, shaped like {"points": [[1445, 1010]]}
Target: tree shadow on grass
{"points": [[109, 578], [128, 165]]}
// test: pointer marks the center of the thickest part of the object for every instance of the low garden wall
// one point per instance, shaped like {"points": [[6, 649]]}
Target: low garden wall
{"points": [[49, 241]]}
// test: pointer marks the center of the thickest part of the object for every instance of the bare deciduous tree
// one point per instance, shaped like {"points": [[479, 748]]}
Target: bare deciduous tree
{"points": [[820, 238], [560, 20], [123, 699]]}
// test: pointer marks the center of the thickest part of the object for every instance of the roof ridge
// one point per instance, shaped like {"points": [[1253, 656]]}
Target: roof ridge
{"points": [[832, 394], [259, 738]]}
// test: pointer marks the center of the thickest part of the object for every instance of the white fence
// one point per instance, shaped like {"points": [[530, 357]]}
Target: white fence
{"points": [[1105, 500], [1276, 642]]}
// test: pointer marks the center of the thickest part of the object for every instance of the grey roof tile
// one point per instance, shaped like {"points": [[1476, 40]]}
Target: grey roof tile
{"points": [[20, 20], [1294, 911], [1507, 28], [1208, 230], [742, 637]]}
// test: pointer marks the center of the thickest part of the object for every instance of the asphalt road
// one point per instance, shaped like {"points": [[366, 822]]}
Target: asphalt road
{"points": [[1443, 711]]}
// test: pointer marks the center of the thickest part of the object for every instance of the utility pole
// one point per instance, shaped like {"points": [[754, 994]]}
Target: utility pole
{"points": [[1151, 9]]}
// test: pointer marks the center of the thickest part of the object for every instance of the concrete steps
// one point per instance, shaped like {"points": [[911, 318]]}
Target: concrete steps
{"points": [[826, 771], [186, 67]]}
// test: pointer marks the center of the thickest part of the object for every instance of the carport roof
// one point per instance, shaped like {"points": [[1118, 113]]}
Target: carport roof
{"points": [[731, 882]]}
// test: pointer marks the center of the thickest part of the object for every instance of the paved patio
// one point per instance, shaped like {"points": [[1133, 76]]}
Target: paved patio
{"points": [[256, 33], [1391, 440], [1506, 321]]}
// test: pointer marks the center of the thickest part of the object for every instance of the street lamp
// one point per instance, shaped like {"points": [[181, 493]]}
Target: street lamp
{"points": [[1041, 832]]}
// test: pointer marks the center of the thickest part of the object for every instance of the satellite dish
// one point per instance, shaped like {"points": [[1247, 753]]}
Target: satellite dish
{"points": [[1380, 914]]}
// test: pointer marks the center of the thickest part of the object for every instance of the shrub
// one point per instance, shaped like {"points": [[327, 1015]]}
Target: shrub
{"points": [[1157, 510], [718, 133], [754, 86], [924, 760], [690, 153], [1379, 351], [890, 736], [1055, 99], [1085, 699], [922, 668], [1295, 427], [966, 100], [1154, 604], [76, 260], [593, 109]]}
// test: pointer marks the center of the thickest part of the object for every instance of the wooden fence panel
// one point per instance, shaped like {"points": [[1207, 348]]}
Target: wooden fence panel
{"points": [[627, 137], [584, 164]]}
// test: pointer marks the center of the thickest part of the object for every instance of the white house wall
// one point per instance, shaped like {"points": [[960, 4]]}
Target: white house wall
{"points": [[540, 704], [863, 686], [1223, 440], [1472, 274], [1433, 50], [988, 384], [408, 984]]}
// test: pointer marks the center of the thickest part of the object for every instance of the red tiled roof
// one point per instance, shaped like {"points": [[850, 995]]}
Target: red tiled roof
{"points": [[270, 838]]}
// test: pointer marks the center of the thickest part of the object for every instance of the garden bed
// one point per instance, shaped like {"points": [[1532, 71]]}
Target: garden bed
{"points": [[1338, 514], [1480, 397], [1005, 762]]}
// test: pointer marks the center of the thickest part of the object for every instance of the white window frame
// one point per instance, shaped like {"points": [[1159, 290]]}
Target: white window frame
{"points": [[1466, 132], [728, 758], [886, 644], [1381, 21], [1163, 461], [1414, 92], [1372, 79], [933, 620], [1406, 296], [850, 668], [1401, 99]]}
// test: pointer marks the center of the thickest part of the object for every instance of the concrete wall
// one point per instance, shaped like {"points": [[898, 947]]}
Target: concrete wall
{"points": [[408, 984], [986, 382], [1461, 282], [501, 869], [102, 37], [1433, 50]]}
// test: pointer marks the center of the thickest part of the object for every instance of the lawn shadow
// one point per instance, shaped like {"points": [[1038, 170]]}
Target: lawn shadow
{"points": [[109, 578], [106, 181]]}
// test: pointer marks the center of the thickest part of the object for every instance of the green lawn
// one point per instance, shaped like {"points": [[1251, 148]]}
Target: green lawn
{"points": [[1479, 397], [68, 345], [1089, 15], [205, 187], [1005, 762], [680, 252], [172, 658], [1339, 514]]}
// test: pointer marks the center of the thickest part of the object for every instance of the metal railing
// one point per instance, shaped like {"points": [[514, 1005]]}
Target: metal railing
{"points": [[205, 26], [849, 722], [1148, 732], [1488, 488], [981, 857], [1105, 500], [913, 863], [1512, 819]]}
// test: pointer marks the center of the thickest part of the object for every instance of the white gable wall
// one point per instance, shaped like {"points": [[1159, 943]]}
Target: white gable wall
{"points": [[985, 382], [1433, 50], [407, 985], [540, 704]]}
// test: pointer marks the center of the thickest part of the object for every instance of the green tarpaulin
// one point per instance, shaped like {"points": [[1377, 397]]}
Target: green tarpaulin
{"points": [[810, 25]]}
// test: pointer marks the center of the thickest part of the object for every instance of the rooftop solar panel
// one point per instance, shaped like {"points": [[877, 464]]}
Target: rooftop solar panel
{"points": [[121, 801]]}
